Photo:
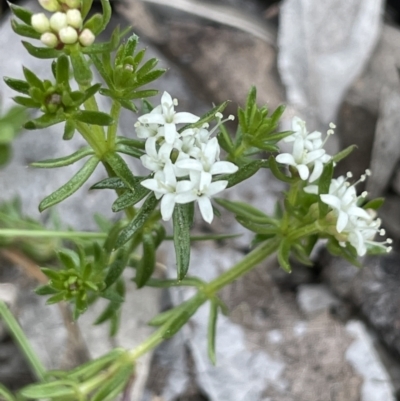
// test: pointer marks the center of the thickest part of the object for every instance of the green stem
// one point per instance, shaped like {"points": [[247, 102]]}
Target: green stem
{"points": [[112, 129], [10, 232], [310, 229], [246, 264], [22, 341], [95, 140]]}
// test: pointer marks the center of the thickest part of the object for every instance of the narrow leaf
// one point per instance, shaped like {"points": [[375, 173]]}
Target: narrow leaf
{"points": [[283, 255], [374, 204], [41, 52], [147, 264], [62, 70], [209, 116], [93, 117], [18, 85], [86, 7], [64, 161], [24, 30], [71, 186], [344, 153], [138, 221], [182, 220], [121, 169], [69, 130], [81, 68], [46, 120], [22, 13], [110, 183], [212, 329], [117, 267], [277, 172]]}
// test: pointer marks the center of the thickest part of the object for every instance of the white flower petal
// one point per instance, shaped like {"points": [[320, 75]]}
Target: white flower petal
{"points": [[311, 189], [216, 187], [285, 158], [303, 171], [167, 206], [170, 133], [317, 171], [223, 168], [189, 164], [206, 209], [152, 118], [342, 221], [186, 197], [185, 118]]}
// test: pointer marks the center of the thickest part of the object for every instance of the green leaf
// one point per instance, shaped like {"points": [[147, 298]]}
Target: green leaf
{"points": [[71, 186], [182, 221], [273, 165], [250, 104], [129, 150], [209, 116], [81, 68], [163, 317], [59, 388], [110, 388], [129, 198], [117, 267], [45, 290], [147, 264], [24, 30], [283, 255], [245, 172], [140, 94], [107, 11], [121, 169], [138, 221], [69, 130], [46, 120], [266, 229], [344, 153], [62, 70], [323, 188], [18, 85], [110, 183], [69, 259], [112, 295], [26, 102], [93, 117], [186, 282], [41, 52], [55, 299], [212, 330], [101, 68], [150, 77], [94, 23], [50, 273], [90, 92], [22, 13], [32, 79], [86, 7], [246, 211], [64, 161], [374, 204]]}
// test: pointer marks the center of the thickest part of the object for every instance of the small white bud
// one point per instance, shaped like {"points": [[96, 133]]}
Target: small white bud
{"points": [[40, 23], [86, 38], [68, 35], [49, 39], [74, 18], [72, 3], [50, 5], [58, 21]]}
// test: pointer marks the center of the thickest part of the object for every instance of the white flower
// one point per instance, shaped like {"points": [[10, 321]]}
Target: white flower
{"points": [[86, 37], [74, 18], [203, 190], [68, 35], [308, 153], [155, 160], [148, 130], [165, 185], [58, 21], [49, 39], [167, 117], [208, 161], [40, 23]]}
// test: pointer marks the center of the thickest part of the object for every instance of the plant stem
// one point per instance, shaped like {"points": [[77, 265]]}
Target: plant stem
{"points": [[9, 232], [97, 143], [246, 264], [19, 336]]}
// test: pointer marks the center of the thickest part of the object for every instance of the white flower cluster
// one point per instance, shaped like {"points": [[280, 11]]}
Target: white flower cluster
{"points": [[354, 224], [308, 155], [64, 27], [184, 163]]}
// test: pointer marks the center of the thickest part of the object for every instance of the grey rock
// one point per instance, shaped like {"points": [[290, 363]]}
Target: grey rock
{"points": [[323, 48], [386, 148], [315, 298], [362, 355], [390, 213], [396, 181], [373, 289]]}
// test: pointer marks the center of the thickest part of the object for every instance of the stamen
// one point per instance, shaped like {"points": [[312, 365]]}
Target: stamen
{"points": [[389, 249], [175, 102], [364, 194], [382, 231], [231, 117], [219, 115], [332, 125], [349, 174], [368, 172]]}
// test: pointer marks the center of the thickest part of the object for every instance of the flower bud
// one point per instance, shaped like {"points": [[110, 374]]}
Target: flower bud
{"points": [[74, 18], [50, 5], [58, 21], [68, 35], [86, 38], [49, 39], [40, 23], [73, 3]]}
